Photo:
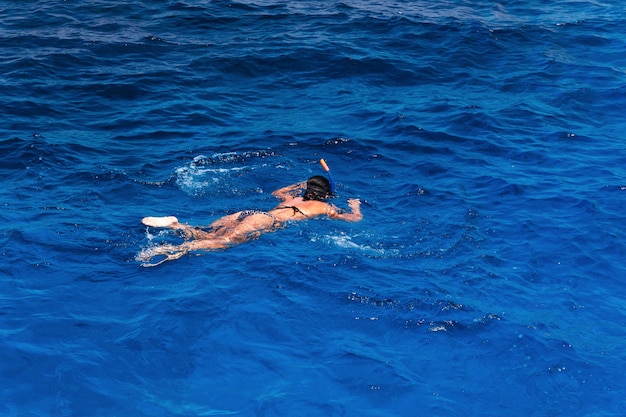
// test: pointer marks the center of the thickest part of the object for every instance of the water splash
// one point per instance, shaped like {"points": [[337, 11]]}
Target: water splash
{"points": [[219, 174], [346, 241]]}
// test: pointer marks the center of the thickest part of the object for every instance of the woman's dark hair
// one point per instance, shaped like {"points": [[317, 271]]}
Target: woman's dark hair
{"points": [[317, 188]]}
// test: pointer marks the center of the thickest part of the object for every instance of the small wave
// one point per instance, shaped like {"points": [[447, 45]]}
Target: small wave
{"points": [[346, 241], [218, 174]]}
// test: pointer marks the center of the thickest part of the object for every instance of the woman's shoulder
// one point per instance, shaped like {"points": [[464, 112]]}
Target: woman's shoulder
{"points": [[316, 207]]}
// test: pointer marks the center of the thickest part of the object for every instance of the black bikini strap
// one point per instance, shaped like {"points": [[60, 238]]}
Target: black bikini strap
{"points": [[294, 208]]}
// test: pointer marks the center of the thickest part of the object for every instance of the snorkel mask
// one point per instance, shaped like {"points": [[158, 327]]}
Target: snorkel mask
{"points": [[317, 188]]}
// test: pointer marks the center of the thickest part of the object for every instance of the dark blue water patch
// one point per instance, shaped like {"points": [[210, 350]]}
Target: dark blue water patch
{"points": [[42, 159], [610, 198], [426, 313]]}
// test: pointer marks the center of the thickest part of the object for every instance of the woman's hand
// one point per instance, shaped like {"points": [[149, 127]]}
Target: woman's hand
{"points": [[355, 204], [354, 216]]}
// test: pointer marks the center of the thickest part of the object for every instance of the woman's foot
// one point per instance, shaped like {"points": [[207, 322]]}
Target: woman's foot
{"points": [[159, 221]]}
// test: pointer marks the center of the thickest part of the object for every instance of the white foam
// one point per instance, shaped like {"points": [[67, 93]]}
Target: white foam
{"points": [[346, 241], [160, 234], [211, 175], [196, 178]]}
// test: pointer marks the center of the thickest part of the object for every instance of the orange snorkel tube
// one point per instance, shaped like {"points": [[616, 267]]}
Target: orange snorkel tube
{"points": [[330, 176]]}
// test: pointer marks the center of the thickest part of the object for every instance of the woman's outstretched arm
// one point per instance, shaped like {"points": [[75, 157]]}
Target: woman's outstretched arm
{"points": [[354, 216], [289, 191]]}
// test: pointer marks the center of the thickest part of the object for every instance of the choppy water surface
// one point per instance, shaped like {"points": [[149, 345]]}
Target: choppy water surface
{"points": [[486, 141]]}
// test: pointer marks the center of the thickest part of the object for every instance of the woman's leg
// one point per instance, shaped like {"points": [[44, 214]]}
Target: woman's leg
{"points": [[172, 252], [250, 227], [171, 222]]}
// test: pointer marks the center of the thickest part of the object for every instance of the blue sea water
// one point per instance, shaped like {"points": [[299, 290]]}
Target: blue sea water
{"points": [[485, 139]]}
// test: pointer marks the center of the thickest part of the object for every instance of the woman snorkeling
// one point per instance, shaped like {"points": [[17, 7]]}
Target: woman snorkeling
{"points": [[242, 226]]}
